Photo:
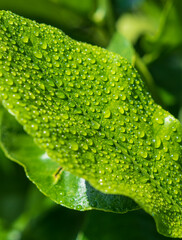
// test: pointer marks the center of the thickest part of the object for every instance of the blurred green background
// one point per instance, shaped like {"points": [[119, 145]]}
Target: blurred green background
{"points": [[148, 33]]}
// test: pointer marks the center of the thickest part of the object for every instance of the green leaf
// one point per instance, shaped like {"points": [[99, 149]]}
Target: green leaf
{"points": [[82, 6], [170, 25], [90, 111], [61, 186], [73, 16], [133, 26], [119, 44], [45, 10]]}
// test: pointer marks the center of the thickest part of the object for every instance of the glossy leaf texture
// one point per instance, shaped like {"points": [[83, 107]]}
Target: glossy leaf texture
{"points": [[90, 111], [61, 186]]}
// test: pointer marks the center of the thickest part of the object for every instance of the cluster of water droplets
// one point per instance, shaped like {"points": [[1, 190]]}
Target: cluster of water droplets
{"points": [[90, 111]]}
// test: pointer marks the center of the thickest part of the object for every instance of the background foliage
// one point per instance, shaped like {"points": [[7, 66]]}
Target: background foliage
{"points": [[148, 33]]}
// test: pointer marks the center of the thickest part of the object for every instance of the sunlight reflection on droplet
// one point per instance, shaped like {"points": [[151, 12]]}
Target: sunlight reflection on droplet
{"points": [[169, 119], [45, 156]]}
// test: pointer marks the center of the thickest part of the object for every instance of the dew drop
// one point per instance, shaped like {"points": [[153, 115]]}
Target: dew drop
{"points": [[95, 125], [165, 149], [16, 96], [73, 146], [121, 110], [141, 134], [160, 120], [175, 191], [68, 72], [157, 142], [44, 45], [107, 114], [9, 81], [175, 156], [34, 127], [123, 97], [143, 154], [123, 139], [41, 85], [61, 95], [25, 39], [65, 116], [85, 146], [90, 142], [37, 54], [178, 139], [46, 133]]}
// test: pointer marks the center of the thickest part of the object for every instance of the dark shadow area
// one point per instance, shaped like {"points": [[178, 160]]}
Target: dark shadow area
{"points": [[109, 202]]}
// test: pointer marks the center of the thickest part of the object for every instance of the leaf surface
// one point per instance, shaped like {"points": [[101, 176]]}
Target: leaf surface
{"points": [[61, 186], [90, 111]]}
